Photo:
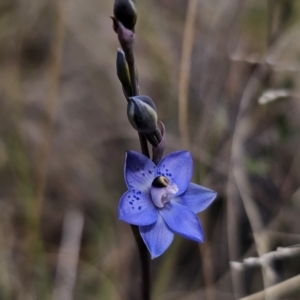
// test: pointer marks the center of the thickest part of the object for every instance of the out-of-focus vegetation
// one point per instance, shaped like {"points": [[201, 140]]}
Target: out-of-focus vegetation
{"points": [[64, 132]]}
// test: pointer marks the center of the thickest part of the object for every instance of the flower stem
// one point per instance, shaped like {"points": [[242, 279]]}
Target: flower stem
{"points": [[144, 257], [143, 251], [144, 145], [132, 72]]}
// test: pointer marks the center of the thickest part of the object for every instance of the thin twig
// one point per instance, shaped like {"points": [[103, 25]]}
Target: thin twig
{"points": [[237, 176], [282, 289], [280, 253], [238, 158]]}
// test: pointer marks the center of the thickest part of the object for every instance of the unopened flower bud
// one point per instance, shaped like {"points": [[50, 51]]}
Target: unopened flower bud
{"points": [[125, 12], [142, 116], [123, 73]]}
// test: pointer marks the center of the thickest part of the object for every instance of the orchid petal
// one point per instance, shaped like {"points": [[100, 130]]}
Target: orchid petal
{"points": [[197, 198], [137, 208], [139, 171], [178, 167], [182, 221], [157, 237]]}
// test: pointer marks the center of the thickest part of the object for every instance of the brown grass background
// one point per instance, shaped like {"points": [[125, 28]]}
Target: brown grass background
{"points": [[63, 134]]}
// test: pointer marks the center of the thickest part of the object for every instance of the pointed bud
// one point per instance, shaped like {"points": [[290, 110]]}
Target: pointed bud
{"points": [[123, 72], [142, 115], [125, 12]]}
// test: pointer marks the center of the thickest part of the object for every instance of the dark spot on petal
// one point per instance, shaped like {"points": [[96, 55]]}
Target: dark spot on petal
{"points": [[137, 198], [130, 202], [140, 207], [150, 172]]}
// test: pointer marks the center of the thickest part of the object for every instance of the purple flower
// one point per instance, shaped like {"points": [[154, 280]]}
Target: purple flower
{"points": [[162, 201]]}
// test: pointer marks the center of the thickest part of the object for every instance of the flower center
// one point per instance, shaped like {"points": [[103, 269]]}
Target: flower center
{"points": [[162, 191]]}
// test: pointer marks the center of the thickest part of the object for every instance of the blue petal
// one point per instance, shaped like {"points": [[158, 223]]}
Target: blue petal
{"points": [[137, 208], [178, 167], [157, 237], [182, 221], [196, 197], [139, 171]]}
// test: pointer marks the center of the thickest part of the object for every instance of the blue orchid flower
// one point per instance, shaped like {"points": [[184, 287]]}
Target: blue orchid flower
{"points": [[162, 201]]}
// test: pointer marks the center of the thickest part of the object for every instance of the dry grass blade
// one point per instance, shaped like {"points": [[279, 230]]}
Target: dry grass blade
{"points": [[68, 256], [185, 67]]}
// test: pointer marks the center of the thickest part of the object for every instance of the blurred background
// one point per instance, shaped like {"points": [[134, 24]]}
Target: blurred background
{"points": [[224, 75]]}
